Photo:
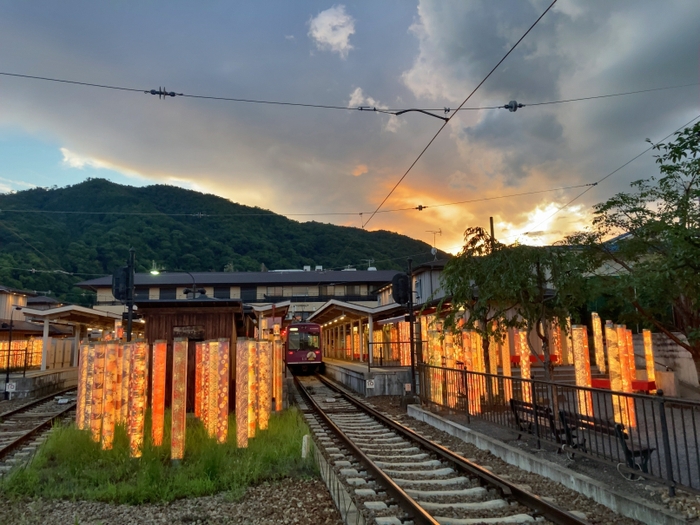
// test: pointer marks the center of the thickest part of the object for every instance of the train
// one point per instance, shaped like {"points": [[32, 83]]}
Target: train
{"points": [[302, 347]]}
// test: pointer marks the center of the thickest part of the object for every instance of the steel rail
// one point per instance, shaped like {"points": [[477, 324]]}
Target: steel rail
{"points": [[16, 443], [417, 513], [35, 402], [549, 511]]}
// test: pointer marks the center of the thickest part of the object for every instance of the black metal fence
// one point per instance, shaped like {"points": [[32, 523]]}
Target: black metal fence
{"points": [[648, 435]]}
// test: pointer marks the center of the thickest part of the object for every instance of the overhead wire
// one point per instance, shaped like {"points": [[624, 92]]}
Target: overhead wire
{"points": [[446, 122], [602, 179]]}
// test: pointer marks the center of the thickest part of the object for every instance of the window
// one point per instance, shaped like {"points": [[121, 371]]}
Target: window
{"points": [[353, 289], [275, 291], [168, 293], [141, 293], [222, 292], [249, 293], [303, 341]]}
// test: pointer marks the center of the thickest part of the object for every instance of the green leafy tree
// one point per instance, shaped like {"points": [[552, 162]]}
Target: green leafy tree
{"points": [[646, 243], [517, 286]]}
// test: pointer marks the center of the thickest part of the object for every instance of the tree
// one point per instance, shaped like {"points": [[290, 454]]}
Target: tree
{"points": [[651, 238], [516, 286]]}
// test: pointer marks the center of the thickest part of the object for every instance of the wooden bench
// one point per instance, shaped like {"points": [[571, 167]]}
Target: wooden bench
{"points": [[575, 424], [530, 415]]}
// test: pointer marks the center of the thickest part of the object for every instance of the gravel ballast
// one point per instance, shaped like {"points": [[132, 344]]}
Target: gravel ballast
{"points": [[291, 501]]}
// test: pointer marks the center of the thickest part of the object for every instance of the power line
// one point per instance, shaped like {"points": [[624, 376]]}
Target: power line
{"points": [[460, 106], [162, 93], [604, 178]]}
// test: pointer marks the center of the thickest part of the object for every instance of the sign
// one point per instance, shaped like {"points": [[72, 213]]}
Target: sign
{"points": [[407, 387], [370, 383], [11, 387], [193, 333]]}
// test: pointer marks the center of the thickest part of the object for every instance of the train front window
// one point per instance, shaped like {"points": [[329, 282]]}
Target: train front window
{"points": [[303, 341]]}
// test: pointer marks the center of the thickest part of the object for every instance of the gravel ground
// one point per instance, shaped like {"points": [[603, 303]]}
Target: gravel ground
{"points": [[562, 496], [290, 501]]}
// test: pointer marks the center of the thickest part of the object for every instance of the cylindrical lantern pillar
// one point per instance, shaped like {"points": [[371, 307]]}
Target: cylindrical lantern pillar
{"points": [[264, 383], [252, 388], [158, 391], [82, 387], [598, 342], [198, 364], [524, 365], [223, 392], [212, 371], [242, 393], [97, 392], [649, 357], [108, 404], [582, 368], [179, 399], [137, 397]]}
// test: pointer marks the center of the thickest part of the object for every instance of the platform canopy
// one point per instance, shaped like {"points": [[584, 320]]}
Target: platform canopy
{"points": [[74, 314], [334, 309]]}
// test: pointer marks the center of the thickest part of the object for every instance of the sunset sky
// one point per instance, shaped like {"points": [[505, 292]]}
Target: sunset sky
{"points": [[337, 165]]}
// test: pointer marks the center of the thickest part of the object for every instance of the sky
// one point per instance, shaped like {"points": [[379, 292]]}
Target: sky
{"points": [[338, 165]]}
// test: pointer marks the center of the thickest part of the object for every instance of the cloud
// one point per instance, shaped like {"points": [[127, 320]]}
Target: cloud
{"points": [[357, 98], [360, 169], [331, 30]]}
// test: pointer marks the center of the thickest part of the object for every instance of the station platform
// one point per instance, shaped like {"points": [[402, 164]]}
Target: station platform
{"points": [[38, 383], [388, 381]]}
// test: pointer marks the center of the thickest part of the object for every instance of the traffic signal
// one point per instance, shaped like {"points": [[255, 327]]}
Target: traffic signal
{"points": [[400, 288], [120, 284]]}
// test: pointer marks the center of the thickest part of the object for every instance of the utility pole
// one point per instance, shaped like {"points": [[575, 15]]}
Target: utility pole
{"points": [[493, 238], [130, 294], [411, 321]]}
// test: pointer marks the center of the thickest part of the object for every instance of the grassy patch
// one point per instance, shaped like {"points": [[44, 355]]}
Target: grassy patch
{"points": [[70, 465]]}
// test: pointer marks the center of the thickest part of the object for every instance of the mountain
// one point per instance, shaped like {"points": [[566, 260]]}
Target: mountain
{"points": [[53, 238]]}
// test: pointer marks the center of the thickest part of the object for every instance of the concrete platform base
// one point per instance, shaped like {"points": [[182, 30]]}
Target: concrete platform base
{"points": [[387, 381], [39, 383], [624, 504]]}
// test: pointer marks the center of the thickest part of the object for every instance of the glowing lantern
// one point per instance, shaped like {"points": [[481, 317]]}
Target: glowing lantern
{"points": [[615, 370], [179, 399], [212, 373], [117, 388], [97, 392], [158, 391], [478, 384], [279, 371], [633, 376], [505, 364], [252, 388], [524, 352], [127, 351], [264, 383], [649, 357], [556, 349], [87, 418], [223, 392], [198, 365], [242, 393], [582, 368], [204, 396], [598, 342], [82, 387], [567, 353], [108, 405], [493, 362], [137, 397]]}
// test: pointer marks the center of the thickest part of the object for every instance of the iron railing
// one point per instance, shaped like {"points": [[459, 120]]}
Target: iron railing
{"points": [[669, 426]]}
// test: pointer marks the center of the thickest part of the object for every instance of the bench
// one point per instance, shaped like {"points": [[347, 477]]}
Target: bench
{"points": [[574, 423], [530, 415]]}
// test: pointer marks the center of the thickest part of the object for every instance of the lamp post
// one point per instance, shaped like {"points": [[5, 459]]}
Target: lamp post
{"points": [[9, 350], [156, 271]]}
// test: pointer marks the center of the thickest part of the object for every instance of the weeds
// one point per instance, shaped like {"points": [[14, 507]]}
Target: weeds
{"points": [[71, 466]]}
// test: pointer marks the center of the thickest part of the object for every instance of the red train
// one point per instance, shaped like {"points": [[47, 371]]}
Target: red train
{"points": [[302, 347]]}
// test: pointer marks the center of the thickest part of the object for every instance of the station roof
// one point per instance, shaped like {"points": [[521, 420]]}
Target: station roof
{"points": [[328, 277], [334, 308], [73, 314]]}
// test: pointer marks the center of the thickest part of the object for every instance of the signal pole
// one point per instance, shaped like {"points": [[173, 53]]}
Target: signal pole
{"points": [[411, 322], [130, 294]]}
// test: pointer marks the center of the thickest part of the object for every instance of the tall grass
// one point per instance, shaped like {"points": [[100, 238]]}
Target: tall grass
{"points": [[71, 465]]}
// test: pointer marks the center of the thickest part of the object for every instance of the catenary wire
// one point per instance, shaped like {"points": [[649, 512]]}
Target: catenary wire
{"points": [[444, 124], [534, 229], [373, 109]]}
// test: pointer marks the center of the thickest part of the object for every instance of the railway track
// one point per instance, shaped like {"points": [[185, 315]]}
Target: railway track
{"points": [[23, 428], [400, 477]]}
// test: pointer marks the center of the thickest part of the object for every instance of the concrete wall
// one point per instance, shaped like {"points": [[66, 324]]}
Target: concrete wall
{"points": [[668, 355], [43, 384], [386, 382]]}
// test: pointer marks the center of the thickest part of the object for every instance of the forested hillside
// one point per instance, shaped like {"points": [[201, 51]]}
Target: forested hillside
{"points": [[53, 238]]}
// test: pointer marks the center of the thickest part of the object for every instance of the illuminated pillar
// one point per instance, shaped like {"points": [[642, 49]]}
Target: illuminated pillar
{"points": [[87, 418], [137, 397], [179, 399], [598, 342], [222, 391], [649, 357], [524, 353], [264, 383], [198, 380], [633, 376], [109, 393], [505, 364], [242, 393], [127, 351], [158, 391], [97, 392], [567, 351], [279, 369], [556, 347], [493, 364], [118, 383], [582, 368], [212, 371], [478, 384], [252, 388], [82, 387], [615, 371], [204, 401]]}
